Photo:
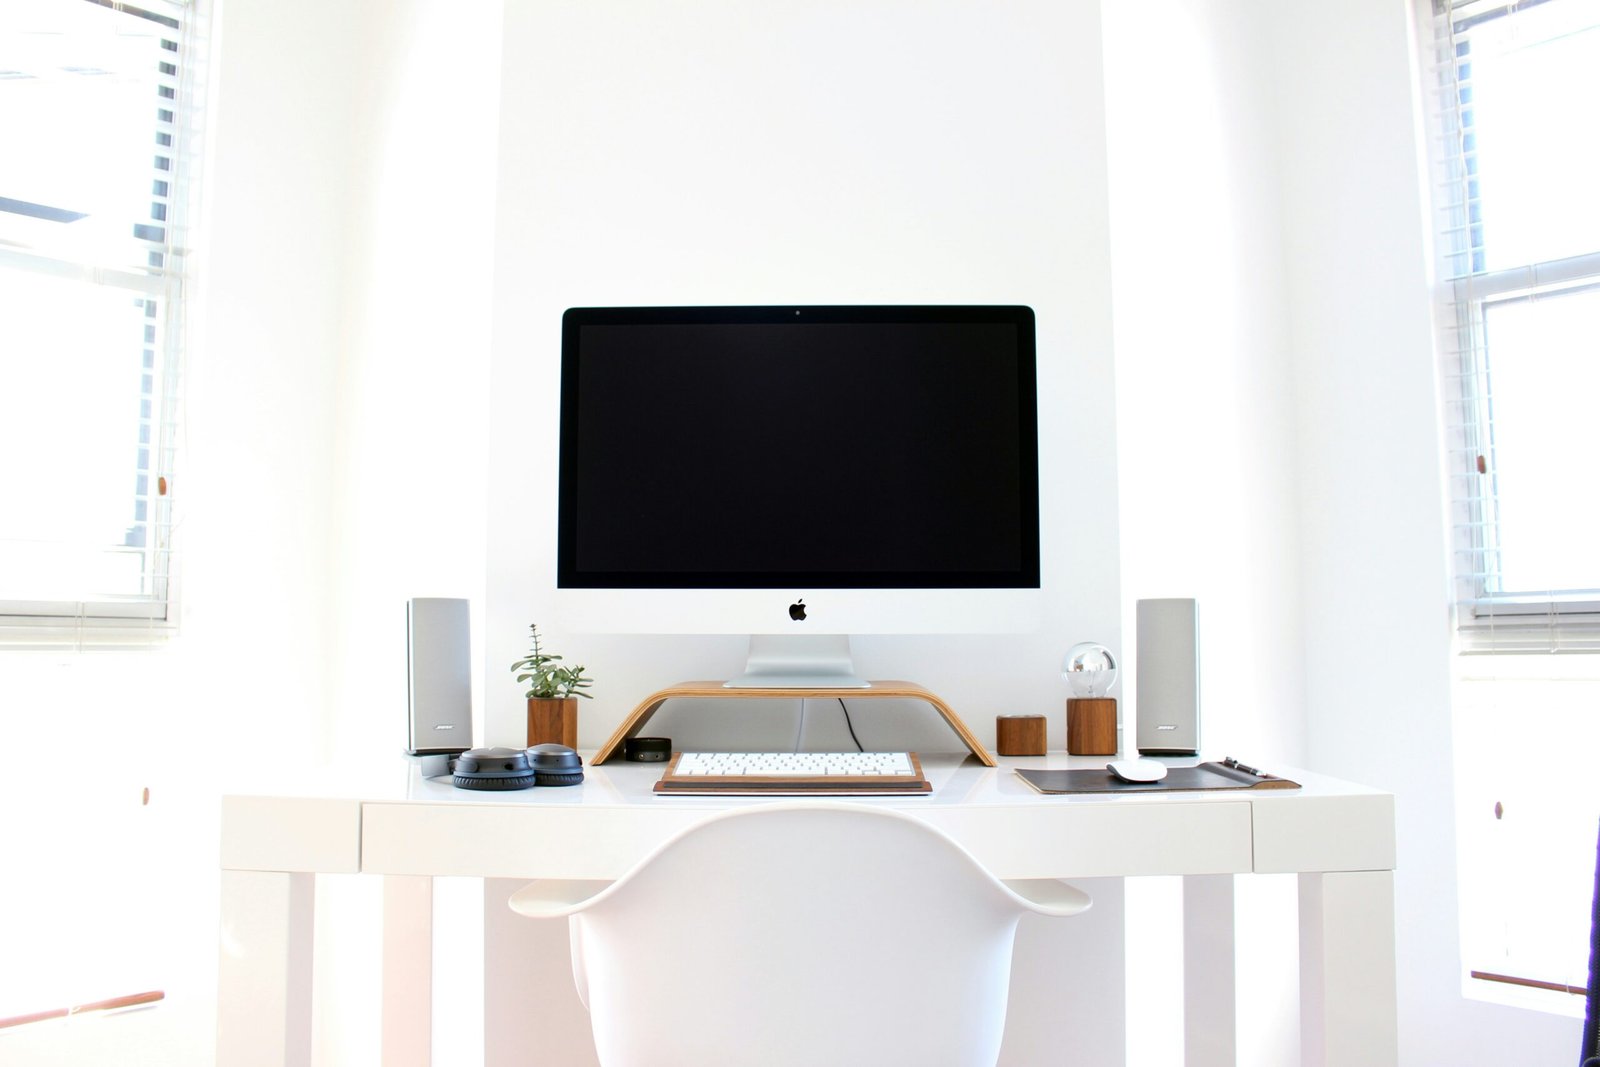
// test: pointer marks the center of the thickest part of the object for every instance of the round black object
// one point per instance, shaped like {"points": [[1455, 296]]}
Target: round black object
{"points": [[647, 749], [493, 768], [555, 765]]}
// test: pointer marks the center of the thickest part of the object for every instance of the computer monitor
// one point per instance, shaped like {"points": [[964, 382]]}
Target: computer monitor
{"points": [[798, 474]]}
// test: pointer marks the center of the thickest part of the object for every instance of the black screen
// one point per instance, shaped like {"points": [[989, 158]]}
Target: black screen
{"points": [[814, 447]]}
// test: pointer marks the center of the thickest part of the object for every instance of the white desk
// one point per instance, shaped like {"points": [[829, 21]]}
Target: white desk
{"points": [[1338, 837]]}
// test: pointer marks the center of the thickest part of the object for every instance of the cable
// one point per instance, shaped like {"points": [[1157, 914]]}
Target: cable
{"points": [[850, 724], [800, 726]]}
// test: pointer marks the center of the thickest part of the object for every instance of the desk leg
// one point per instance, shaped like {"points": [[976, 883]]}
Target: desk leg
{"points": [[1347, 970], [407, 971], [264, 974], [1209, 1004]]}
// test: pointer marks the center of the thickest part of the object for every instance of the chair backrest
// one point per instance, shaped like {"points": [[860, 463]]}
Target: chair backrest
{"points": [[816, 934]]}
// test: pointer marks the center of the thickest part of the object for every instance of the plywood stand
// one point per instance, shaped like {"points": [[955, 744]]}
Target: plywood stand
{"points": [[716, 690]]}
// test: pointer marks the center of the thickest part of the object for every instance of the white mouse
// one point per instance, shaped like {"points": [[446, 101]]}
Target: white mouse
{"points": [[1138, 770]]}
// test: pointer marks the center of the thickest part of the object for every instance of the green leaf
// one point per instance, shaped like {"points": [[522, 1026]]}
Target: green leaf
{"points": [[546, 680]]}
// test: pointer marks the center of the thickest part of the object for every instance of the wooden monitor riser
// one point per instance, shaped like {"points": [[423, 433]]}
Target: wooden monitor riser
{"points": [[716, 690]]}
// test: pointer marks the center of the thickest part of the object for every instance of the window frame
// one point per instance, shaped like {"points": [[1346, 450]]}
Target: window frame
{"points": [[162, 282], [1487, 618]]}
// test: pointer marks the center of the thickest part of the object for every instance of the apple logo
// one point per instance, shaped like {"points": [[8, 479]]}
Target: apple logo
{"points": [[797, 610]]}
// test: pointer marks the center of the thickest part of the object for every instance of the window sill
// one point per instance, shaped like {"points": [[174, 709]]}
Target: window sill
{"points": [[1527, 998]]}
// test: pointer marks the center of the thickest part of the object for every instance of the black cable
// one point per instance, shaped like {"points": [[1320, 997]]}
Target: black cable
{"points": [[850, 724]]}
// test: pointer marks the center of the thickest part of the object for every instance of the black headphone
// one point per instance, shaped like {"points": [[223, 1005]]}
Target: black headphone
{"points": [[517, 768]]}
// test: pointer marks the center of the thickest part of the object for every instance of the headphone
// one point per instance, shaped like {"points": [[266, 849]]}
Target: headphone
{"points": [[516, 768]]}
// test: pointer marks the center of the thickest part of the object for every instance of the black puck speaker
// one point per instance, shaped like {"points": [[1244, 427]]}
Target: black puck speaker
{"points": [[647, 749]]}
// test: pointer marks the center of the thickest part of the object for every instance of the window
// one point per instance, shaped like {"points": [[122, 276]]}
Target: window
{"points": [[1517, 170], [1515, 86], [96, 113]]}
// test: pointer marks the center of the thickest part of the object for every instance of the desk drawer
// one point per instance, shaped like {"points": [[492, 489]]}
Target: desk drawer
{"points": [[1349, 833], [1077, 840], [1072, 840], [513, 841]]}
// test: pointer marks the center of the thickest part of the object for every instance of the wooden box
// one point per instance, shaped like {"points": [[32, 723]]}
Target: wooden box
{"points": [[1019, 735]]}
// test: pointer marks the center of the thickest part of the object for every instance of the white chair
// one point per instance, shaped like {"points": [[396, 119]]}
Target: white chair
{"points": [[798, 934]]}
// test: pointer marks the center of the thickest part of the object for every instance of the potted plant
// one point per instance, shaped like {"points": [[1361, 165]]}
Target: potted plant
{"points": [[552, 695]]}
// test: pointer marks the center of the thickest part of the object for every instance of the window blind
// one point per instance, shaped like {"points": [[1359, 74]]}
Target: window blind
{"points": [[98, 105], [1518, 316]]}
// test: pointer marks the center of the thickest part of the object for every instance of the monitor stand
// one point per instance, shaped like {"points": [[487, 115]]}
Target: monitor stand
{"points": [[717, 690], [796, 661]]}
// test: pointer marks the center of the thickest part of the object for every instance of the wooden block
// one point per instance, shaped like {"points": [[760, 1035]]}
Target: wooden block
{"points": [[1092, 726], [553, 721], [1019, 735]]}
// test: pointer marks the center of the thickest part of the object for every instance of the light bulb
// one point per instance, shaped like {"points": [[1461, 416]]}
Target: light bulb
{"points": [[1089, 669]]}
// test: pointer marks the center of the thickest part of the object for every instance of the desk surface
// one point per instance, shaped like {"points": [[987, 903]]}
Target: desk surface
{"points": [[392, 820]]}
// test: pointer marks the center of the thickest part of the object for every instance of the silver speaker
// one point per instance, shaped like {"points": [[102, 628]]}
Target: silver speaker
{"points": [[1167, 677], [438, 675]]}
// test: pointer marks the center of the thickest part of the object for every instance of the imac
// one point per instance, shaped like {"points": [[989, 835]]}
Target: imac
{"points": [[798, 474]]}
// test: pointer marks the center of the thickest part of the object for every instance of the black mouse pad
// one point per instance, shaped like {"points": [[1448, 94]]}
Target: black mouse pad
{"points": [[1178, 780]]}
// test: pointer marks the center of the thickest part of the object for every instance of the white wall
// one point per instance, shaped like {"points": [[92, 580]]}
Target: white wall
{"points": [[248, 682], [1205, 443], [334, 467], [1276, 424], [1205, 394], [1371, 520], [801, 152], [796, 152]]}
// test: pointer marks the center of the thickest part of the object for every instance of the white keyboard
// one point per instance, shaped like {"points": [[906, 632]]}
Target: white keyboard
{"points": [[795, 764], [795, 774]]}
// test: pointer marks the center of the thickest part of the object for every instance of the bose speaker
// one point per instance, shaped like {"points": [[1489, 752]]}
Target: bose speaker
{"points": [[1167, 678], [438, 676]]}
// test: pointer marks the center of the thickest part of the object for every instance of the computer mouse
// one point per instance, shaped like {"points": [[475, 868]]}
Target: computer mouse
{"points": [[1138, 770]]}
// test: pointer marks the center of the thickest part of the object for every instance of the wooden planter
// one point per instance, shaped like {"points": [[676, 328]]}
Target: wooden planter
{"points": [[553, 720]]}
